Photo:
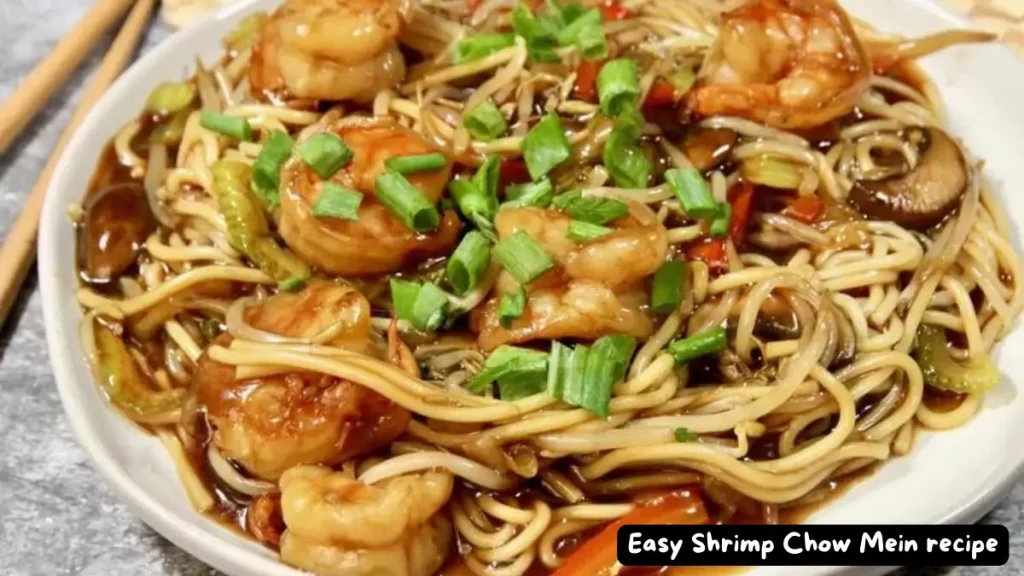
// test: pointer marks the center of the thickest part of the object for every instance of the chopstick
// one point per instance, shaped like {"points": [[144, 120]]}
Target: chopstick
{"points": [[53, 71], [17, 252]]}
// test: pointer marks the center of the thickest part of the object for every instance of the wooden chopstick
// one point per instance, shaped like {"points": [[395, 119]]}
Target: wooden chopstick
{"points": [[53, 71], [18, 249]]}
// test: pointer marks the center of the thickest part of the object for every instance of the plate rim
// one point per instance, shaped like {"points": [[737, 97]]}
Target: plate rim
{"points": [[163, 519]]}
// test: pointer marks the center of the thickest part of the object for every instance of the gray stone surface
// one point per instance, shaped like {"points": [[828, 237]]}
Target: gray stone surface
{"points": [[56, 516]]}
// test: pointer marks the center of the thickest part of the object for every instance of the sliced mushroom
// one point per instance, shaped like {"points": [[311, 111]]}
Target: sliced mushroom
{"points": [[116, 224], [922, 197]]}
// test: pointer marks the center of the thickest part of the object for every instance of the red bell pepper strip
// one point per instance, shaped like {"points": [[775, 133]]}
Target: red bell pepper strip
{"points": [[742, 202], [586, 80], [597, 556], [614, 10], [806, 209]]}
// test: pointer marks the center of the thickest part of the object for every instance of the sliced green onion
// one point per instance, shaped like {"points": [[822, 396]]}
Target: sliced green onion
{"points": [[266, 170], [618, 86], [537, 194], [580, 231], [403, 297], [406, 202], [522, 257], [558, 365], [720, 225], [510, 361], [540, 34], [428, 312], [417, 163], [586, 32], [325, 153], [693, 193], [683, 435], [481, 46], [337, 201], [485, 122], [230, 126], [511, 306], [521, 385], [587, 209], [668, 287], [710, 341], [487, 178], [422, 305], [545, 147], [606, 366], [625, 160], [771, 172], [469, 262], [573, 385], [170, 97], [292, 284]]}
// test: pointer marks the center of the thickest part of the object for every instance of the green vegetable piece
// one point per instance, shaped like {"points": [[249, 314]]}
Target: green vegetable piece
{"points": [[170, 97], [943, 372]]}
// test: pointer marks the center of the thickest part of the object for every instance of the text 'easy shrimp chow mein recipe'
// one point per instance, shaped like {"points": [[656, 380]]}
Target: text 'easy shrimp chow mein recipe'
{"points": [[462, 286]]}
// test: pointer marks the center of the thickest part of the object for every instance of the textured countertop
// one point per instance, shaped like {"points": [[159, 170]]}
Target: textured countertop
{"points": [[56, 515]]}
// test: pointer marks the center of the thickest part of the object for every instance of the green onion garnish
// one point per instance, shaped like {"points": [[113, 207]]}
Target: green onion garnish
{"points": [[292, 284], [586, 32], [524, 259], [485, 122], [540, 34], [487, 178], [624, 159], [668, 287], [710, 341], [511, 306], [325, 153], [720, 225], [587, 209], [337, 201], [417, 163], [481, 46], [266, 170], [558, 364], [537, 194], [573, 384], [618, 86], [423, 305], [693, 193], [403, 297], [510, 363], [469, 262], [606, 366], [230, 126], [403, 200], [545, 147], [683, 435], [580, 231]]}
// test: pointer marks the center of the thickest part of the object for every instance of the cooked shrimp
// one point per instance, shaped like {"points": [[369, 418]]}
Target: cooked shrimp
{"points": [[791, 64], [334, 314], [377, 242], [596, 289], [329, 50], [340, 526], [268, 425]]}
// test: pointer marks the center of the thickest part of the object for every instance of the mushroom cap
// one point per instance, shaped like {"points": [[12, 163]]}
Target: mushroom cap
{"points": [[922, 197]]}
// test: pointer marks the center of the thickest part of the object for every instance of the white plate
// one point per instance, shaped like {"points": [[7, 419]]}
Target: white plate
{"points": [[950, 477]]}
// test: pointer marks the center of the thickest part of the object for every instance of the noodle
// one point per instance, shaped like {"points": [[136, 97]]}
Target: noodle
{"points": [[325, 354]]}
